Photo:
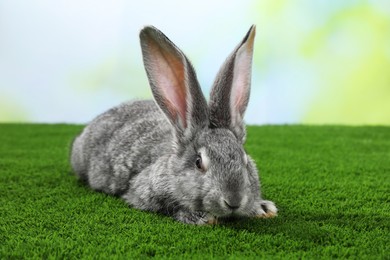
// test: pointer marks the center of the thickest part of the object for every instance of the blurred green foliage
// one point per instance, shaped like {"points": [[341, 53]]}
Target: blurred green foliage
{"points": [[356, 88], [11, 111], [346, 48]]}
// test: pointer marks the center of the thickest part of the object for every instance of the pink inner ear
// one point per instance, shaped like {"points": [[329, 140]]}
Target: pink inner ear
{"points": [[176, 98], [169, 74], [242, 78], [241, 82], [242, 75]]}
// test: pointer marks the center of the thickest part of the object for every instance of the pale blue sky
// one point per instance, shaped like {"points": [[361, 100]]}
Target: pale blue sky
{"points": [[67, 61]]}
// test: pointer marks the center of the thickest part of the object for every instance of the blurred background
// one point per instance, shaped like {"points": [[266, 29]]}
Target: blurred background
{"points": [[315, 62]]}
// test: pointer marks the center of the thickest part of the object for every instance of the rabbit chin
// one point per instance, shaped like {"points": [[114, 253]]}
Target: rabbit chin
{"points": [[228, 213]]}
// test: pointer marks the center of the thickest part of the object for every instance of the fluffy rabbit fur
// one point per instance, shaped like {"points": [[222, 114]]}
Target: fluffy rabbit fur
{"points": [[177, 155]]}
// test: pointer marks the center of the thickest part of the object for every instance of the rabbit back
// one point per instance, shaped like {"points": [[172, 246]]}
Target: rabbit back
{"points": [[119, 144]]}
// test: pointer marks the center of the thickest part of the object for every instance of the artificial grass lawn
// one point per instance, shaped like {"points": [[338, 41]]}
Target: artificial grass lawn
{"points": [[331, 185]]}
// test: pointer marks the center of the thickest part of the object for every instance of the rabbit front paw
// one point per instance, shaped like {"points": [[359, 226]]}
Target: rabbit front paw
{"points": [[267, 209]]}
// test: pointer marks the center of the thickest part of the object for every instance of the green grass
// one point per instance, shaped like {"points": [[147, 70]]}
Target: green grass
{"points": [[331, 184]]}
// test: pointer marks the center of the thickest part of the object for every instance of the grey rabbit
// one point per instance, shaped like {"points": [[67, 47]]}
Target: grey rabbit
{"points": [[178, 155]]}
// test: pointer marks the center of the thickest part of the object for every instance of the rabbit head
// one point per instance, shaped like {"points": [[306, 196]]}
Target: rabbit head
{"points": [[210, 170]]}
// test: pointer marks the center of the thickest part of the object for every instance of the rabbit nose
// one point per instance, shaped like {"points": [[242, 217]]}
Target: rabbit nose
{"points": [[233, 205]]}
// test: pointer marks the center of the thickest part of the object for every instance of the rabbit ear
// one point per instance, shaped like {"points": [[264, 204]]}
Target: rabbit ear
{"points": [[230, 93], [173, 81]]}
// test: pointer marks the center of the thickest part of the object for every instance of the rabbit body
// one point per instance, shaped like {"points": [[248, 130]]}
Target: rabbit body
{"points": [[120, 143], [177, 155]]}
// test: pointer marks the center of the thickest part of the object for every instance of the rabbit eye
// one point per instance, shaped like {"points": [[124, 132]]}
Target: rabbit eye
{"points": [[202, 161], [198, 162]]}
